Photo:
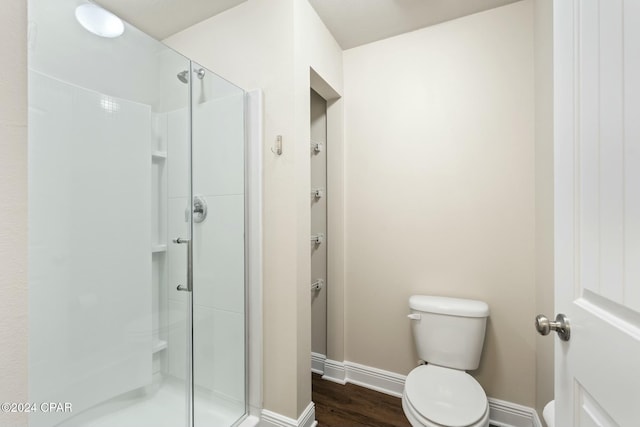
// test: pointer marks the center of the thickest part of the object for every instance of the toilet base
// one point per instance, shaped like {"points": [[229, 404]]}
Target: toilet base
{"points": [[418, 420]]}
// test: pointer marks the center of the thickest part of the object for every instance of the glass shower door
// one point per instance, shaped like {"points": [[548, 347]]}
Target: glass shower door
{"points": [[109, 187], [218, 147]]}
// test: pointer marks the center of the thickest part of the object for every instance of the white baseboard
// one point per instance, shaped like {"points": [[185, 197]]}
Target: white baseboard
{"points": [[537, 421], [308, 417], [334, 371], [374, 378], [273, 419], [502, 413], [317, 363], [508, 414]]}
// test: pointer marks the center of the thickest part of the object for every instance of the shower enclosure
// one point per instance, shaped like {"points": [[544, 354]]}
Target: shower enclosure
{"points": [[136, 231]]}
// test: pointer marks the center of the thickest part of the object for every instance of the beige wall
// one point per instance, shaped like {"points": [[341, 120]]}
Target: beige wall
{"points": [[13, 209], [440, 187], [314, 49], [271, 45], [543, 10]]}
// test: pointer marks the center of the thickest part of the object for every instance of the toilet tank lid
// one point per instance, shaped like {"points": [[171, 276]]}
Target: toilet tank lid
{"points": [[450, 306]]}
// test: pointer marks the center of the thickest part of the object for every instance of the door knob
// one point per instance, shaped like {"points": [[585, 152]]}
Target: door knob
{"points": [[561, 326]]}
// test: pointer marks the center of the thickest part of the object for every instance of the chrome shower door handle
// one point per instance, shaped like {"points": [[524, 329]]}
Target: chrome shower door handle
{"points": [[181, 241]]}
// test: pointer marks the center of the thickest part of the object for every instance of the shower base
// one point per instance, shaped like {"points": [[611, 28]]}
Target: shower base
{"points": [[162, 404]]}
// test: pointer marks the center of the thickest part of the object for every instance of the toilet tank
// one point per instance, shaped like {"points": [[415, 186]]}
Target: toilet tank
{"points": [[448, 332]]}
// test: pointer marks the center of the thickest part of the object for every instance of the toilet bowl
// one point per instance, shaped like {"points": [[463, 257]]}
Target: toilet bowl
{"points": [[449, 336], [441, 397]]}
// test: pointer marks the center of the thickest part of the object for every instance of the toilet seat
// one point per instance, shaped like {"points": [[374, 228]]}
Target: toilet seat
{"points": [[436, 396]]}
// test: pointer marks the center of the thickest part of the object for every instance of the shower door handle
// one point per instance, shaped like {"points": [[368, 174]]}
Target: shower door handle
{"points": [[189, 244]]}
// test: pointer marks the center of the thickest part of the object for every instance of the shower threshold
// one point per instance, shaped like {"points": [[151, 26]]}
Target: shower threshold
{"points": [[162, 404]]}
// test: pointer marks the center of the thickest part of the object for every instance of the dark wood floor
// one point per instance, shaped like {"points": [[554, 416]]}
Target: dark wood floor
{"points": [[352, 406]]}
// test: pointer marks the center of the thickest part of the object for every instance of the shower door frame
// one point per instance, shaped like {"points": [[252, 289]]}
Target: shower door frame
{"points": [[253, 137]]}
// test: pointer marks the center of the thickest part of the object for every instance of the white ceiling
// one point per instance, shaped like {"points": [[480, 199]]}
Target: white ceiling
{"points": [[357, 22], [162, 18], [352, 22]]}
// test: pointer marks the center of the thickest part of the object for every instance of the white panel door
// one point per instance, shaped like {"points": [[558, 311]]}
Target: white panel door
{"points": [[597, 210]]}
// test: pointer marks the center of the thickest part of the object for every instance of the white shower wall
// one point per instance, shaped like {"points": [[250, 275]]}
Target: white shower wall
{"points": [[89, 243], [128, 309]]}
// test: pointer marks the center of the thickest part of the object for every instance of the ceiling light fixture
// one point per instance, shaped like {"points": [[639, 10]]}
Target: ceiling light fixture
{"points": [[98, 21]]}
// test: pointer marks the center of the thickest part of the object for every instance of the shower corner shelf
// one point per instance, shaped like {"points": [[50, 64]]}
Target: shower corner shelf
{"points": [[159, 155], [159, 346], [158, 248]]}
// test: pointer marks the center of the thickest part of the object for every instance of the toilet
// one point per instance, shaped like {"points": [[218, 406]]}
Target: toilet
{"points": [[449, 335]]}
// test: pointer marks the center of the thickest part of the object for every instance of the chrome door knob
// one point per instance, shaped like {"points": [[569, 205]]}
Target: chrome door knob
{"points": [[561, 326]]}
